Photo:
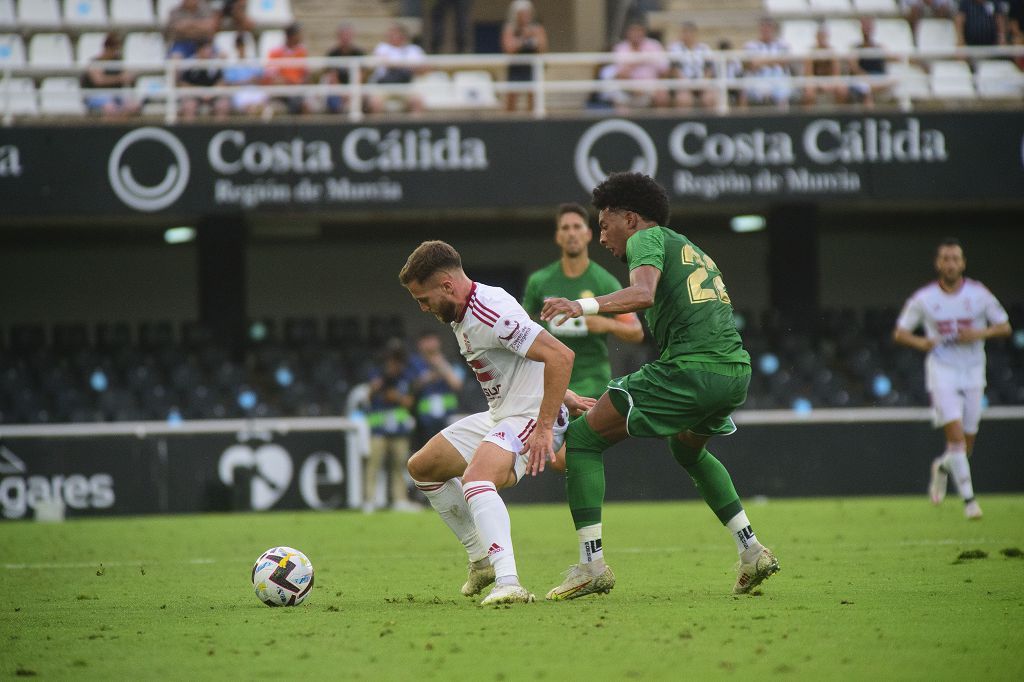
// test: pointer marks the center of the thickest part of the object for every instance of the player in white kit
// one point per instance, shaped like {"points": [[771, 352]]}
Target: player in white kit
{"points": [[957, 314], [524, 373]]}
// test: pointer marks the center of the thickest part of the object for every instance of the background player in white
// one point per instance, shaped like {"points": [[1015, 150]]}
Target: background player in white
{"points": [[524, 373], [957, 314]]}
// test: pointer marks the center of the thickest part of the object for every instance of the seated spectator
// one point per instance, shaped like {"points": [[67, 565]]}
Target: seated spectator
{"points": [[291, 74], [522, 34], [344, 47], [862, 65], [234, 16], [637, 42], [251, 101], [981, 22], [823, 66], [691, 60], [190, 23], [203, 77], [402, 60], [601, 99], [99, 75], [915, 10], [768, 63]]}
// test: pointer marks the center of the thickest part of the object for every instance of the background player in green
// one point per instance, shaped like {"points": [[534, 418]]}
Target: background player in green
{"points": [[687, 395], [574, 276]]}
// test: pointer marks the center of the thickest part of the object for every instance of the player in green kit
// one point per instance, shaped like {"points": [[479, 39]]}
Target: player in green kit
{"points": [[574, 276], [686, 396]]}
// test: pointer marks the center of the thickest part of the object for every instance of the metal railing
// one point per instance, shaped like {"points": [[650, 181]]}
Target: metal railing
{"points": [[544, 83]]}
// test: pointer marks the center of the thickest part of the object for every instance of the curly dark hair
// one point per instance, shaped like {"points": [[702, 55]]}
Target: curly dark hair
{"points": [[634, 192]]}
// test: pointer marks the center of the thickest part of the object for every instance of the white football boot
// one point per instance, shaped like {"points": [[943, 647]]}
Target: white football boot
{"points": [[508, 594], [751, 574], [579, 583], [477, 579], [939, 482], [972, 510]]}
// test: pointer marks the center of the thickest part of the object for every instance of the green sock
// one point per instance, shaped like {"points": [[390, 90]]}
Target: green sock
{"points": [[584, 472], [711, 478]]}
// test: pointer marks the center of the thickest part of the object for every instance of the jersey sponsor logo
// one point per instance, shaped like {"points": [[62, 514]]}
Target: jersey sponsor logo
{"points": [[149, 198], [507, 324], [492, 393], [589, 170]]}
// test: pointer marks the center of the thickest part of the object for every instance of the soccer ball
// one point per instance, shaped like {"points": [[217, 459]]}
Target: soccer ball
{"points": [[282, 576]]}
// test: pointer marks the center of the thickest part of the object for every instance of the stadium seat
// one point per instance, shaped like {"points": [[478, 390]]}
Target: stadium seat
{"points": [[998, 79], [435, 90], [936, 35], [12, 50], [787, 7], [800, 34], [894, 35], [61, 97], [844, 34], [38, 14], [144, 50], [132, 13], [951, 79], [18, 97], [224, 42], [878, 8], [85, 13], [88, 46], [52, 50], [911, 80], [163, 10], [271, 12], [831, 7], [151, 91], [474, 89], [7, 19], [268, 40]]}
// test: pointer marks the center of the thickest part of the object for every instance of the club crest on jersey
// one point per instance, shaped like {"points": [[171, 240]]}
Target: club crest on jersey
{"points": [[509, 325]]}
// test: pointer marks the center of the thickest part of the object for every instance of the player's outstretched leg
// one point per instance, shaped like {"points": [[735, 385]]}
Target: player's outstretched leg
{"points": [[757, 562], [449, 500], [955, 461], [492, 521]]}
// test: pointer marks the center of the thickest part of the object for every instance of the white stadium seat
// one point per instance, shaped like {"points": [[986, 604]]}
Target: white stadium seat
{"points": [[224, 42], [894, 35], [12, 50], [151, 91], [911, 81], [163, 9], [474, 89], [132, 13], [999, 79], [831, 7], [951, 79], [269, 40], [85, 13], [39, 14], [800, 34], [936, 35], [144, 49], [7, 20], [435, 90], [843, 34], [18, 96], [788, 7], [61, 97], [271, 12], [51, 50], [878, 8], [89, 45]]}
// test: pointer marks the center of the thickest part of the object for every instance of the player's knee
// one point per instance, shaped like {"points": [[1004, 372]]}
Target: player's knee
{"points": [[420, 467], [686, 453]]}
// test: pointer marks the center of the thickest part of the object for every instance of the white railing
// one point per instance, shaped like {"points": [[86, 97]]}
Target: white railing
{"points": [[544, 83]]}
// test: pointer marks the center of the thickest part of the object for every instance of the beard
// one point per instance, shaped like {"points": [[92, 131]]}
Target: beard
{"points": [[447, 312]]}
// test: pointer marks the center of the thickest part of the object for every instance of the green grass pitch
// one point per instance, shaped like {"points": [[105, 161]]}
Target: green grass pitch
{"points": [[870, 588]]}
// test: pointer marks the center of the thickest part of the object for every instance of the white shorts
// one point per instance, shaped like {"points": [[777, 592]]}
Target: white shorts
{"points": [[509, 434], [957, 404]]}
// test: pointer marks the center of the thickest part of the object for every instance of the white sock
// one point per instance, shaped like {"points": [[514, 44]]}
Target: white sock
{"points": [[449, 501], [955, 461], [746, 542], [492, 522], [591, 551]]}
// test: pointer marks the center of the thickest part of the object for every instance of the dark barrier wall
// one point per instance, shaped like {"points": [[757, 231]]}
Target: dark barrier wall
{"points": [[196, 473], [193, 170]]}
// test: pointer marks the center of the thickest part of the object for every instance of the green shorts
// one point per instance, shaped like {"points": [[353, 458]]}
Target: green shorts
{"points": [[663, 398]]}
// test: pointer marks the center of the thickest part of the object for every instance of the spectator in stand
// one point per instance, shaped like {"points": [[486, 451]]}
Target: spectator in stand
{"points": [[251, 101], [768, 62], [203, 77], [1015, 26], [691, 60], [234, 16], [915, 10], [733, 71], [824, 66], [189, 24], [100, 75], [345, 46], [867, 65], [637, 43], [291, 73], [438, 19], [402, 60], [437, 386], [981, 22], [522, 34]]}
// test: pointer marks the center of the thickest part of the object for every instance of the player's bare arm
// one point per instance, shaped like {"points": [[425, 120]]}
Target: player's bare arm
{"points": [[625, 327], [994, 331], [908, 338], [639, 295], [557, 359]]}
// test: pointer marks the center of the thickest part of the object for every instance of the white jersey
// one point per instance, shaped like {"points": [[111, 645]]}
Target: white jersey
{"points": [[692, 62], [943, 314], [772, 49], [494, 335]]}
